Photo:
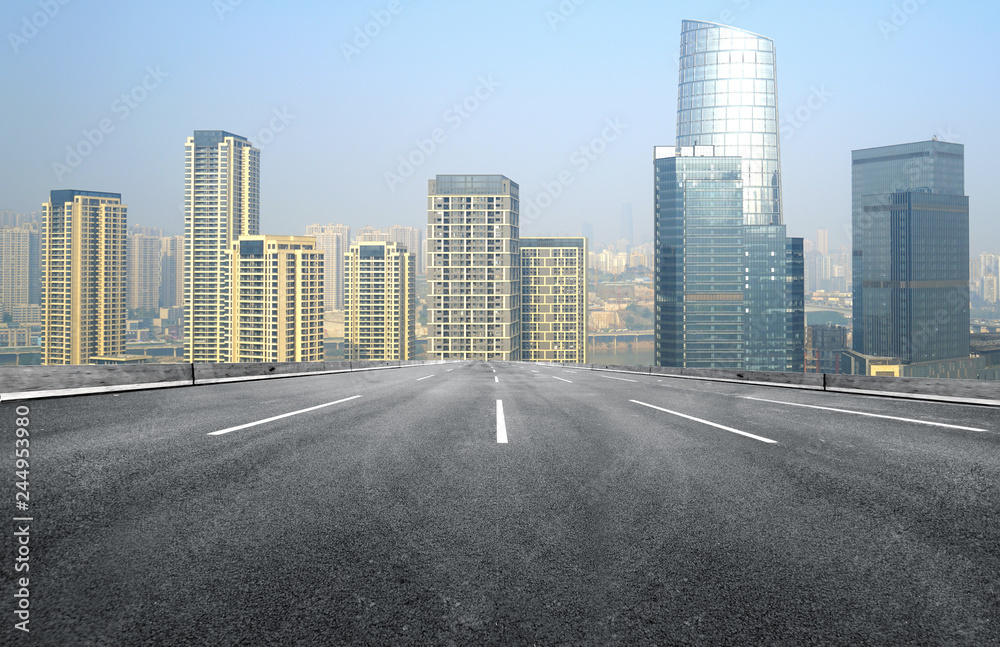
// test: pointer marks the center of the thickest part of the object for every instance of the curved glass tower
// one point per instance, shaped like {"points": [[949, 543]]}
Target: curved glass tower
{"points": [[726, 98], [728, 282]]}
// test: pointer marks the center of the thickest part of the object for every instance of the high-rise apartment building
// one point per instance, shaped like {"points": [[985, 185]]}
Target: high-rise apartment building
{"points": [[83, 277], [380, 302], [474, 266], [554, 300], [143, 275], [334, 241], [910, 218], [409, 237], [277, 300], [171, 271], [369, 234], [413, 240], [823, 242], [15, 259], [221, 203], [727, 110]]}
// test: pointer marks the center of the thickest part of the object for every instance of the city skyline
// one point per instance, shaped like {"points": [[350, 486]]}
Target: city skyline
{"points": [[560, 115]]}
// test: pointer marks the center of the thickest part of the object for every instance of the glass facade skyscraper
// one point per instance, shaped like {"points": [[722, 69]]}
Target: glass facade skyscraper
{"points": [[700, 314], [726, 98], [910, 219], [726, 119]]}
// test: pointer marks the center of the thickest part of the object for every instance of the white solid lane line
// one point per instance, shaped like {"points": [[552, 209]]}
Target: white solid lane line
{"points": [[706, 422], [449, 370], [623, 379], [533, 371], [284, 415], [425, 377], [559, 378], [501, 425], [871, 415], [497, 379]]}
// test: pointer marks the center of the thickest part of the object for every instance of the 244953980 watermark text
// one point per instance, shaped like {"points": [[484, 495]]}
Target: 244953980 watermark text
{"points": [[22, 522]]}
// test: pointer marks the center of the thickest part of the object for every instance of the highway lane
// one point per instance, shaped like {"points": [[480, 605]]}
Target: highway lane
{"points": [[397, 518]]}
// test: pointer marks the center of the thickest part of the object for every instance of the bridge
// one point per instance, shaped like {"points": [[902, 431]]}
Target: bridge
{"points": [[824, 307], [502, 503], [620, 336]]}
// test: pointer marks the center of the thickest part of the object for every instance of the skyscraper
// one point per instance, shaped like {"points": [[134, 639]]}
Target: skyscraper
{"points": [[171, 271], [143, 275], [727, 98], [221, 203], [823, 242], [283, 326], [910, 218], [554, 300], [380, 302], [474, 266], [413, 240], [726, 109], [15, 259], [333, 241], [83, 277], [369, 234], [699, 276]]}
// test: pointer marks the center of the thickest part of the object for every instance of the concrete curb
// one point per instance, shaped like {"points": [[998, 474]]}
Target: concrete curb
{"points": [[15, 396], [113, 379]]}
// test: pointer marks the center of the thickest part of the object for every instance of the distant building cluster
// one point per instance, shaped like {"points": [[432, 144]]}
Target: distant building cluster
{"points": [[825, 271], [983, 278], [621, 257]]}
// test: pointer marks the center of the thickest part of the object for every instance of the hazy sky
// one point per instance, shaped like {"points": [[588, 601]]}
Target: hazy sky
{"points": [[514, 87]]}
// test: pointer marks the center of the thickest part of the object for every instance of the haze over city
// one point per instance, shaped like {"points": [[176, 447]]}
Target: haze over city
{"points": [[355, 107]]}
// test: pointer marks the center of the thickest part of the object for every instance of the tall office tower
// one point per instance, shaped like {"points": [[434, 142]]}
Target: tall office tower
{"points": [[221, 203], [554, 300], [625, 228], [727, 98], [727, 108], [795, 305], [334, 241], [910, 218], [143, 275], [283, 325], [380, 302], [823, 242], [15, 258], [473, 268], [413, 240], [700, 271], [83, 277], [587, 231], [171, 271]]}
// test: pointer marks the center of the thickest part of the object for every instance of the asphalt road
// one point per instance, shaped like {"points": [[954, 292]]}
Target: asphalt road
{"points": [[606, 518]]}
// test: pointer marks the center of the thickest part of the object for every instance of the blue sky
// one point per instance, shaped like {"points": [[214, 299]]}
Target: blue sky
{"points": [[513, 87]]}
